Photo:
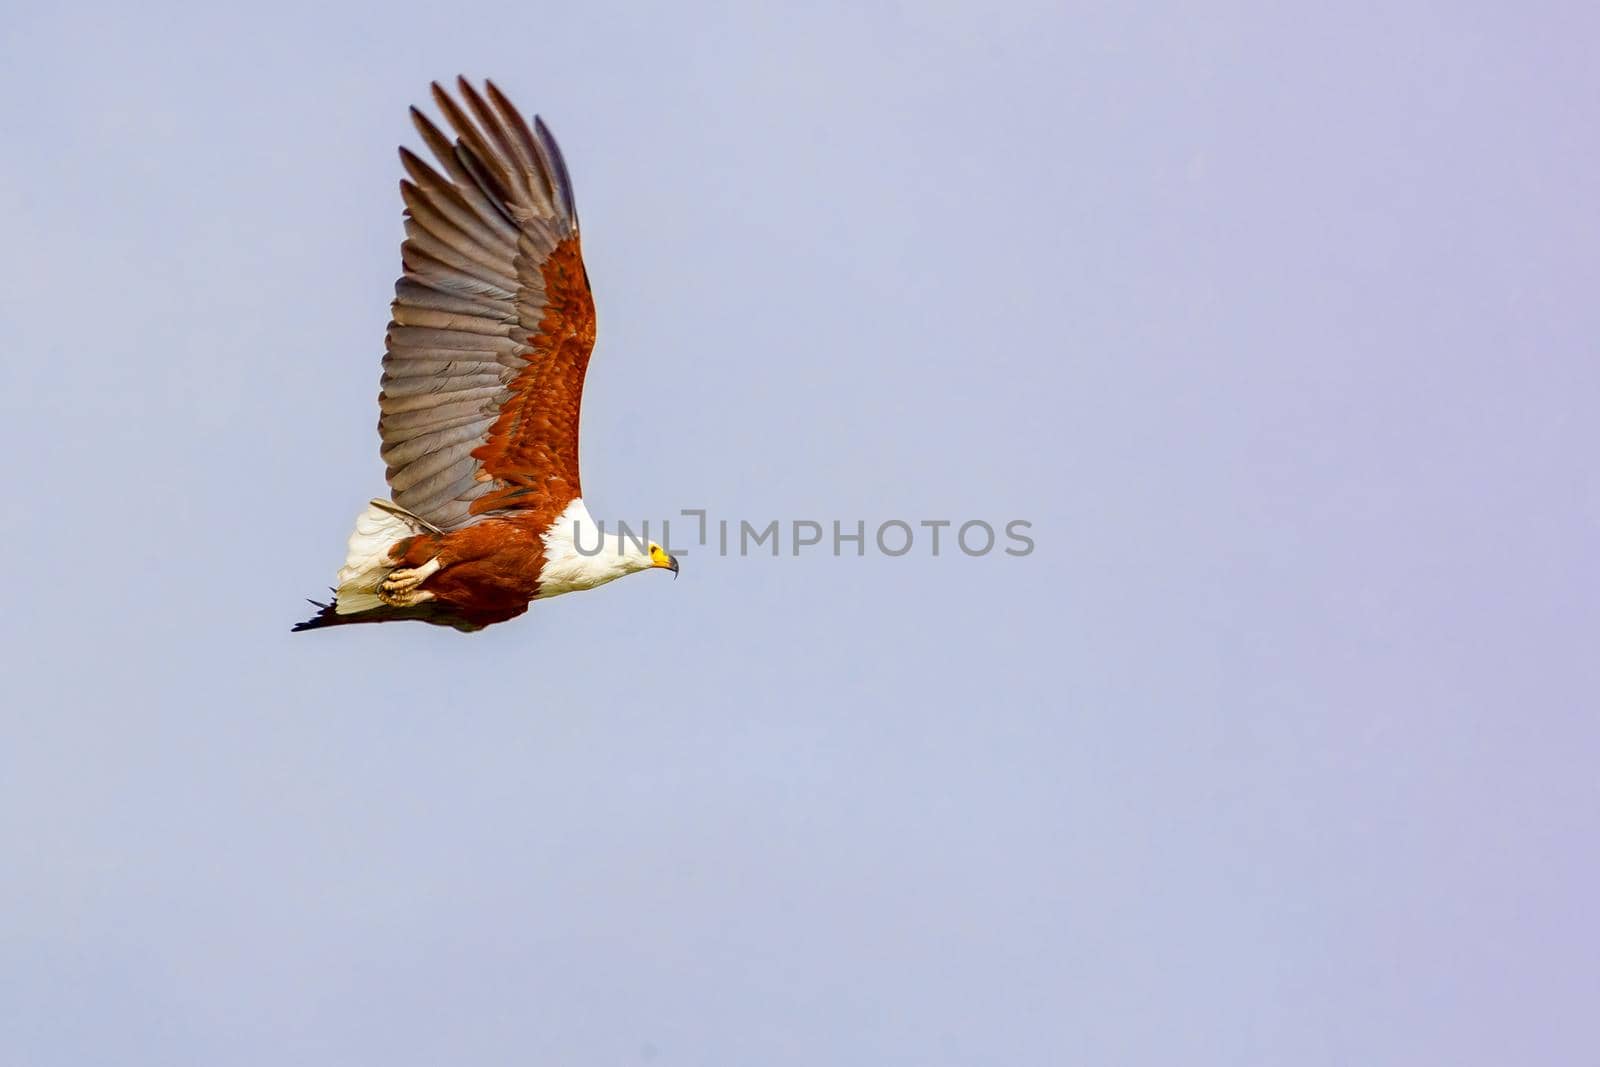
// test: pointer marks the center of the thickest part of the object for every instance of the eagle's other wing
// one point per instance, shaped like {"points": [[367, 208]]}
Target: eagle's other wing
{"points": [[492, 321]]}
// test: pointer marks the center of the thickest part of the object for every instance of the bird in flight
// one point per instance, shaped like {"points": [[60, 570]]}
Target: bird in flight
{"points": [[482, 378]]}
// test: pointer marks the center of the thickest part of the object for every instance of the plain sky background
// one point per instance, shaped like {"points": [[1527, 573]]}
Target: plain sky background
{"points": [[1279, 323]]}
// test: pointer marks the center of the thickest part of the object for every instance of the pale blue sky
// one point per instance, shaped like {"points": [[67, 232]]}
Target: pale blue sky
{"points": [[1280, 325]]}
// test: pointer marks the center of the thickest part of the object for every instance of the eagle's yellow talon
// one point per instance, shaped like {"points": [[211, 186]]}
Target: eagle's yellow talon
{"points": [[401, 588]]}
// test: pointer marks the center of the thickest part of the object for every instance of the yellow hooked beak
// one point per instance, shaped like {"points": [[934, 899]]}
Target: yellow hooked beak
{"points": [[659, 558]]}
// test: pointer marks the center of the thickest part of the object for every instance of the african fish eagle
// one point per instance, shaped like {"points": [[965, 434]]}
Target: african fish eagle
{"points": [[482, 377]]}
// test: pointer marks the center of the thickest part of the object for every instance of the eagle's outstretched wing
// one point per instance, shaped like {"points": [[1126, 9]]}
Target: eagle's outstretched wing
{"points": [[492, 321]]}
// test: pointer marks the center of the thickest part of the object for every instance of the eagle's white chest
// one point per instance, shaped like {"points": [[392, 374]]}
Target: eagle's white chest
{"points": [[578, 556]]}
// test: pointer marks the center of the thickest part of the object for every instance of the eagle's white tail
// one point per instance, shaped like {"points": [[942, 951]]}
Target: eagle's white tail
{"points": [[367, 559]]}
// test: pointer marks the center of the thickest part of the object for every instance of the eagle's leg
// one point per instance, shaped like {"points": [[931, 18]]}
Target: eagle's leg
{"points": [[401, 588]]}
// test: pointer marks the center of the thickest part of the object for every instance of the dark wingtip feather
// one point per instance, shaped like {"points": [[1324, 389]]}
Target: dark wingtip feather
{"points": [[499, 98], [327, 615], [563, 179]]}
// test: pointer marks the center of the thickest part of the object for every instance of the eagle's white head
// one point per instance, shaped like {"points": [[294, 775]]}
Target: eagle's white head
{"points": [[578, 555]]}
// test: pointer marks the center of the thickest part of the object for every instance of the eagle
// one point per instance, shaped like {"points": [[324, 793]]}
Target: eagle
{"points": [[492, 326]]}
